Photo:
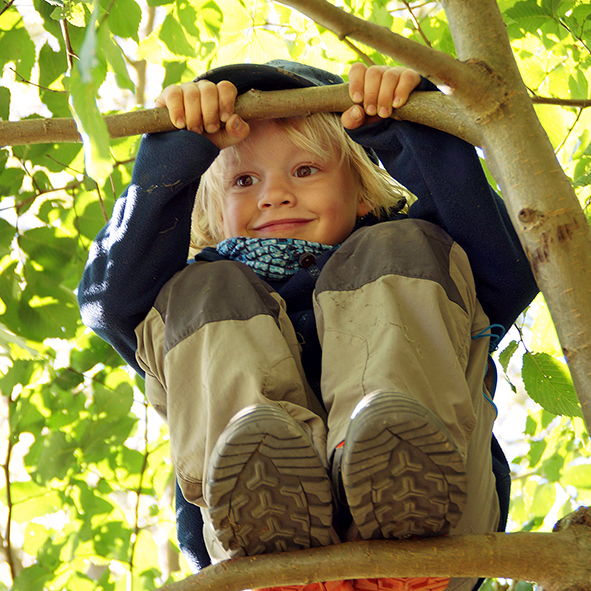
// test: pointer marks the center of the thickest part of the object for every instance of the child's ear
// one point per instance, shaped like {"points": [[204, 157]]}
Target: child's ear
{"points": [[363, 209]]}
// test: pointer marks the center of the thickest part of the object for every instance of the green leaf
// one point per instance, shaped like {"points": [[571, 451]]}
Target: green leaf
{"points": [[578, 476], [32, 578], [115, 59], [507, 353], [32, 500], [57, 456], [89, 121], [173, 36], [548, 382], [47, 248], [124, 19], [11, 180], [112, 540], [174, 72], [16, 46], [52, 65], [4, 103], [536, 451], [552, 467]]}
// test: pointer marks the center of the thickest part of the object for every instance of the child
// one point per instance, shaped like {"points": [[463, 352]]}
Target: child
{"points": [[323, 339]]}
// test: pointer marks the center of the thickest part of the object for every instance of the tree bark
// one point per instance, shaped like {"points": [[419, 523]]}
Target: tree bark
{"points": [[543, 206], [556, 561], [429, 108]]}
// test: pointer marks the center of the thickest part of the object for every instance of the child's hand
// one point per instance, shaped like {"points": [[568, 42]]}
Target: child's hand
{"points": [[376, 90], [205, 108]]}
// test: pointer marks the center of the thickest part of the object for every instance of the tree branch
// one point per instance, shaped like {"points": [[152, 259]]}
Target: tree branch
{"points": [[558, 561], [576, 103], [431, 108], [472, 76]]}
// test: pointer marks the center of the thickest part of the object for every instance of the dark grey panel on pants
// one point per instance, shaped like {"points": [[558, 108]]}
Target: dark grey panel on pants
{"points": [[410, 248], [225, 290]]}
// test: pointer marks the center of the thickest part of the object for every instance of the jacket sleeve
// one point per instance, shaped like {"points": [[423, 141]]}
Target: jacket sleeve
{"points": [[146, 241], [445, 174]]}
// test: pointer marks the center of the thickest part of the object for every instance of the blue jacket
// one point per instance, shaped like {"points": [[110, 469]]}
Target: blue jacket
{"points": [[147, 241]]}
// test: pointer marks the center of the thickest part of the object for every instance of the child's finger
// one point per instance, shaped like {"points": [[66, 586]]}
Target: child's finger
{"points": [[357, 82], [172, 98], [353, 117], [233, 132], [388, 84], [210, 107], [407, 82], [227, 97], [192, 106], [373, 80]]}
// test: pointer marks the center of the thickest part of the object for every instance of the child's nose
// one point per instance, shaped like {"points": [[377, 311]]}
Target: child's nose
{"points": [[276, 192]]}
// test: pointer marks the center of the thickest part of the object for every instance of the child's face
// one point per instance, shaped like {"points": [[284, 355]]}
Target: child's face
{"points": [[278, 190]]}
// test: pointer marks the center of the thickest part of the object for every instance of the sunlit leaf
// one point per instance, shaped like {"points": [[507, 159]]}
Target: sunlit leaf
{"points": [[16, 46], [88, 118], [507, 353], [548, 382], [124, 19], [578, 476], [115, 59], [174, 37]]}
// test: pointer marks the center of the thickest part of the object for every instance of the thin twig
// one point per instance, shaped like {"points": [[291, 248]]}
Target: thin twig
{"points": [[138, 493], [367, 60], [560, 146], [70, 53], [577, 37], [25, 81], [414, 7], [416, 23], [8, 5], [9, 505], [548, 100]]}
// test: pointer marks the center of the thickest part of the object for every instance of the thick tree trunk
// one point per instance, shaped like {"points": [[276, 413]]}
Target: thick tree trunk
{"points": [[541, 201]]}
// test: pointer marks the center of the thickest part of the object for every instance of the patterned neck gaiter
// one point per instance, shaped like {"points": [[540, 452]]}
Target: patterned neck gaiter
{"points": [[270, 258]]}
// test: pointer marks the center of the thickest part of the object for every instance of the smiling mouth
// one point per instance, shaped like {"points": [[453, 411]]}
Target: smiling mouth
{"points": [[282, 224]]}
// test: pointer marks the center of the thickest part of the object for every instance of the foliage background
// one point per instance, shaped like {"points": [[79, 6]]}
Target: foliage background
{"points": [[86, 499]]}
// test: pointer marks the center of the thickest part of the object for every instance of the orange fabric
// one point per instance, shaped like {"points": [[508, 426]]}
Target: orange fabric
{"points": [[402, 584], [328, 586]]}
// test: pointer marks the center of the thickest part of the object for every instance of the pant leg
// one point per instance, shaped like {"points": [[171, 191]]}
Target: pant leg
{"points": [[218, 339], [396, 309]]}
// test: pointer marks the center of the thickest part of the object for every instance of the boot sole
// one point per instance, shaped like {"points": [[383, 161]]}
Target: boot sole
{"points": [[403, 475], [267, 489]]}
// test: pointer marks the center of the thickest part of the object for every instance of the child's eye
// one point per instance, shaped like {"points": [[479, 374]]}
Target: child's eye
{"points": [[245, 180], [306, 170]]}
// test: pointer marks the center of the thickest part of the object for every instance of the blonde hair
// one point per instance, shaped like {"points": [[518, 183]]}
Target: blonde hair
{"points": [[319, 134]]}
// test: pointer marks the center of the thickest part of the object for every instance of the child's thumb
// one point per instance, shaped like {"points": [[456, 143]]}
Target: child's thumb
{"points": [[236, 130]]}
